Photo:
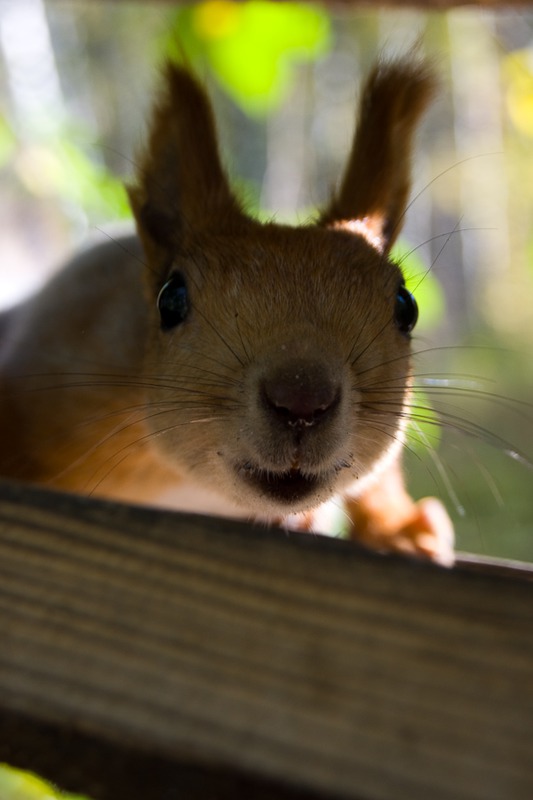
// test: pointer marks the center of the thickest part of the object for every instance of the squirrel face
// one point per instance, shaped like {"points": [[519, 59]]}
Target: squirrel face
{"points": [[278, 367], [267, 363], [282, 353]]}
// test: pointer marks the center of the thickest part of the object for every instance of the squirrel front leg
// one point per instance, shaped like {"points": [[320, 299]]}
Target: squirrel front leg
{"points": [[386, 518]]}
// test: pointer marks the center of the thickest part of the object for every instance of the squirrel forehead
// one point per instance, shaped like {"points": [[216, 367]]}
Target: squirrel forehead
{"points": [[291, 280], [274, 253]]}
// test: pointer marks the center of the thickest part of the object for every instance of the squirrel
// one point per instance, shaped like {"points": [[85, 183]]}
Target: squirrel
{"points": [[215, 363]]}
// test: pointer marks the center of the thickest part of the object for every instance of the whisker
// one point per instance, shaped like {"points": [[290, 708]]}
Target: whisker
{"points": [[369, 344], [142, 441], [119, 242], [438, 254], [439, 466], [401, 257], [222, 338], [437, 177]]}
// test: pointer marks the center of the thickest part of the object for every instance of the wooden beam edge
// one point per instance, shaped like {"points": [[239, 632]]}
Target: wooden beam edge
{"points": [[215, 645]]}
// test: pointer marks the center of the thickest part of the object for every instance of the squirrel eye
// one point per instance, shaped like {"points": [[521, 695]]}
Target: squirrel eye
{"points": [[405, 310], [173, 302]]}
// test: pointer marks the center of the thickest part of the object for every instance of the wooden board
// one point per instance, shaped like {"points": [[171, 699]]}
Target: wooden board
{"points": [[154, 655]]}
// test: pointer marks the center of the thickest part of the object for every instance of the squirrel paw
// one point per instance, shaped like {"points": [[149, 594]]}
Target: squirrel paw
{"points": [[426, 531], [427, 534]]}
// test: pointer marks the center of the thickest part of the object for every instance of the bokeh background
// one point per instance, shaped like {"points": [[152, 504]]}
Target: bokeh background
{"points": [[76, 82]]}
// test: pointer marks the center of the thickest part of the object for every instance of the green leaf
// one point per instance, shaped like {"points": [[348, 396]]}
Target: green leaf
{"points": [[58, 168], [251, 47], [18, 785], [517, 69]]}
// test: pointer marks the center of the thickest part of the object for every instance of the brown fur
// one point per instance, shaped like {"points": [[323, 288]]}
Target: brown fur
{"points": [[377, 179], [288, 381]]}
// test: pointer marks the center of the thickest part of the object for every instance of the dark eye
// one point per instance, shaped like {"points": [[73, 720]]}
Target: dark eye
{"points": [[405, 310], [173, 302]]}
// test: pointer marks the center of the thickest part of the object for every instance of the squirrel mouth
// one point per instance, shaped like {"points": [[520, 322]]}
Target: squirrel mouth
{"points": [[289, 486]]}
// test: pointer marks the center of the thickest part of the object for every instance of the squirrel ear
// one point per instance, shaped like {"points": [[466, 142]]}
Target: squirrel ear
{"points": [[181, 184], [375, 188]]}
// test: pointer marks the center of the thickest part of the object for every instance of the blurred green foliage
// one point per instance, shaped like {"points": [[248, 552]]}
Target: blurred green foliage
{"points": [[250, 47], [518, 73], [61, 169], [7, 142], [18, 785], [423, 284]]}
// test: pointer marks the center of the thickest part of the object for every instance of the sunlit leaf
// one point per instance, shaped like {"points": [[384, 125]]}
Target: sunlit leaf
{"points": [[252, 46], [18, 785], [61, 169], [518, 74]]}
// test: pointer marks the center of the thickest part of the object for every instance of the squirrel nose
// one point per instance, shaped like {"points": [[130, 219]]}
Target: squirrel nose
{"points": [[301, 395]]}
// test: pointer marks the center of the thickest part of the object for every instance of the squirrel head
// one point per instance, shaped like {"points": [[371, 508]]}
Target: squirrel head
{"points": [[279, 356]]}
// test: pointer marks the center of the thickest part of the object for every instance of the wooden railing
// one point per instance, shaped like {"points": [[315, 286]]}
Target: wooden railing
{"points": [[145, 654]]}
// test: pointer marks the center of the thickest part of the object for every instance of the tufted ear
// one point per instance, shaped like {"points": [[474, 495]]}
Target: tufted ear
{"points": [[374, 191], [181, 185]]}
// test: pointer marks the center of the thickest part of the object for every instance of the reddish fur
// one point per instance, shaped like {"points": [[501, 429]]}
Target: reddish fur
{"points": [[377, 179], [96, 397]]}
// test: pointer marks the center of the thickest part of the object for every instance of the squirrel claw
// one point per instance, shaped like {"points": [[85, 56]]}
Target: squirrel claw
{"points": [[427, 534], [444, 534]]}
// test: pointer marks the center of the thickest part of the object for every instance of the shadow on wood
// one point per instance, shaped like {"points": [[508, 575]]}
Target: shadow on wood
{"points": [[149, 654]]}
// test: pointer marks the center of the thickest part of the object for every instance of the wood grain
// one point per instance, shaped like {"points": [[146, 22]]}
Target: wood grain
{"points": [[171, 645]]}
